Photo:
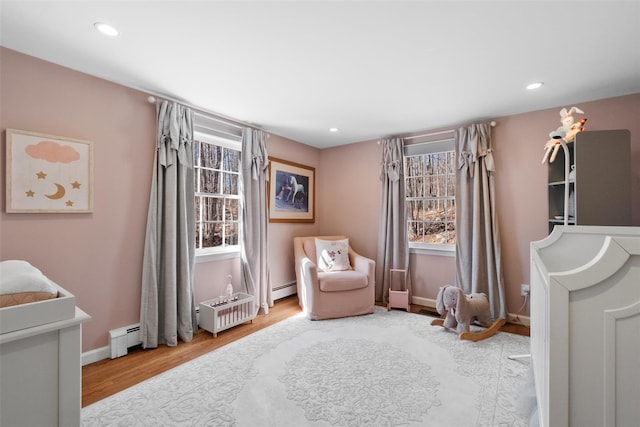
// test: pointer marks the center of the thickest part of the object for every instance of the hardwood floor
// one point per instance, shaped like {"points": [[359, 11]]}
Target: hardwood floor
{"points": [[106, 377]]}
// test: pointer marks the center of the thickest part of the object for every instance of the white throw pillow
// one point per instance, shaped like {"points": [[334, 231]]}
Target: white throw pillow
{"points": [[333, 255]]}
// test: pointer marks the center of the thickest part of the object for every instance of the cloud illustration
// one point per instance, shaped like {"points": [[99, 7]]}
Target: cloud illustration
{"points": [[52, 152]]}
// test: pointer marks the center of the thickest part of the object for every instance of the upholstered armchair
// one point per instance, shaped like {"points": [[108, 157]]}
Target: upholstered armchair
{"points": [[326, 293]]}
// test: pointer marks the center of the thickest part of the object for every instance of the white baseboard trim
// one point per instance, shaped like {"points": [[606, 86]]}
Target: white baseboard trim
{"points": [[511, 318], [425, 302], [96, 355]]}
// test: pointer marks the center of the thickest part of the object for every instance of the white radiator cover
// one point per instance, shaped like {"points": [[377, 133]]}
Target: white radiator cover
{"points": [[284, 290], [121, 339]]}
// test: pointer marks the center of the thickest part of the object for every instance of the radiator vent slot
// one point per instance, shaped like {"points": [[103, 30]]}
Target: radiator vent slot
{"points": [[122, 339], [284, 286]]}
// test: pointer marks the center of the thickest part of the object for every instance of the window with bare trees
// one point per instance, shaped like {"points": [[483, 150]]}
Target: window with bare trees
{"points": [[217, 197], [430, 196]]}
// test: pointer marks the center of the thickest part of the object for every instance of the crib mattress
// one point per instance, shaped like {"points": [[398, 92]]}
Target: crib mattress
{"points": [[28, 298]]}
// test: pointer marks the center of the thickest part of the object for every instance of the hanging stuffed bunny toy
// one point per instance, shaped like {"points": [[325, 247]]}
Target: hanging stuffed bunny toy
{"points": [[567, 132]]}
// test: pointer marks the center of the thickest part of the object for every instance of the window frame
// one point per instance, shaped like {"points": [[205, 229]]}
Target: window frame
{"points": [[209, 136], [422, 148]]}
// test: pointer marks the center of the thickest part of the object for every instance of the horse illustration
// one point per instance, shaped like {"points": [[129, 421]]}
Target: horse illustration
{"points": [[295, 189], [299, 201]]}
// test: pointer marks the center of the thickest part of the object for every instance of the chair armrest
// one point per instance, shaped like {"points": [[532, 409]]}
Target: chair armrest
{"points": [[362, 264], [308, 270]]}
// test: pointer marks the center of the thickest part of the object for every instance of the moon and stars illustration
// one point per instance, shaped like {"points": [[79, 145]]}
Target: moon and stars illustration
{"points": [[59, 194], [52, 175]]}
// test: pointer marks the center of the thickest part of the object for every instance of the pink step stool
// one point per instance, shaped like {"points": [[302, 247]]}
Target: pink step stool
{"points": [[398, 298]]}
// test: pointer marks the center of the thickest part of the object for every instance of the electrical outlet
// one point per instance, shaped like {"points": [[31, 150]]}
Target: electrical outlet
{"points": [[524, 290]]}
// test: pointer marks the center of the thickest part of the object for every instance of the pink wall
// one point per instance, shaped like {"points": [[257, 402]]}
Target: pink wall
{"points": [[210, 279], [98, 256], [350, 192], [280, 239], [521, 178], [350, 183]]}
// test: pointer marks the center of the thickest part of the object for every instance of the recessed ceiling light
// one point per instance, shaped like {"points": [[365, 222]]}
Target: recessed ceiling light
{"points": [[106, 29], [333, 129], [534, 85]]}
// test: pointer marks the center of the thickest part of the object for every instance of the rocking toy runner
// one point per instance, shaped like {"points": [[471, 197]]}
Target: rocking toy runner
{"points": [[460, 311]]}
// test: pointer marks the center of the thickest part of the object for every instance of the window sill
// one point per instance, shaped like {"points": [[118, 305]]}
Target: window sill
{"points": [[216, 256], [436, 250]]}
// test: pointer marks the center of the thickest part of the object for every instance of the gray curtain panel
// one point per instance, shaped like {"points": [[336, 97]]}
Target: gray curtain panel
{"points": [[393, 244], [478, 256], [254, 251], [167, 308]]}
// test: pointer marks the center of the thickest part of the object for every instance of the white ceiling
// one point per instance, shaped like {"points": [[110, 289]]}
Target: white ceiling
{"points": [[371, 69]]}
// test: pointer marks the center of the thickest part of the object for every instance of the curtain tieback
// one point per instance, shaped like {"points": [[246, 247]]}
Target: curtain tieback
{"points": [[466, 162], [183, 157], [168, 144], [488, 161], [258, 165], [392, 170], [163, 150]]}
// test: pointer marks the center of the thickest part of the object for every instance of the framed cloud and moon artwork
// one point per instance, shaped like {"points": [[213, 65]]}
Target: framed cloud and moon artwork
{"points": [[291, 191], [48, 173]]}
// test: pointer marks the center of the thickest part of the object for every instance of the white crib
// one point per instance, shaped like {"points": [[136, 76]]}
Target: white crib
{"points": [[585, 326], [223, 313]]}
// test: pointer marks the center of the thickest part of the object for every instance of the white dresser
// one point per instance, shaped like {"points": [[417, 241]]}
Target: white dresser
{"points": [[585, 326]]}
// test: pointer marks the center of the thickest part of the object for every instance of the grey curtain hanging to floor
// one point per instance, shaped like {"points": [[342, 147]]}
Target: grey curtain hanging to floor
{"points": [[254, 251], [478, 256], [167, 308], [393, 245]]}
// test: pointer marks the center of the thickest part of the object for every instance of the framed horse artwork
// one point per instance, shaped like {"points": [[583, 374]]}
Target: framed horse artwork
{"points": [[291, 191]]}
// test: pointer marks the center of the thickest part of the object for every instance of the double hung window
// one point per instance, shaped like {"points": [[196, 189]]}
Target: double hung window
{"points": [[217, 192], [430, 194]]}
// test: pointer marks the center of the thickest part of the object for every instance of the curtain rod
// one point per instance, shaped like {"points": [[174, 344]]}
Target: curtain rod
{"points": [[152, 99], [429, 134], [220, 120], [493, 124]]}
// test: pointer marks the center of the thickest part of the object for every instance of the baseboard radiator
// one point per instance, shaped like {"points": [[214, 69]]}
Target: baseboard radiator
{"points": [[284, 290], [122, 339]]}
